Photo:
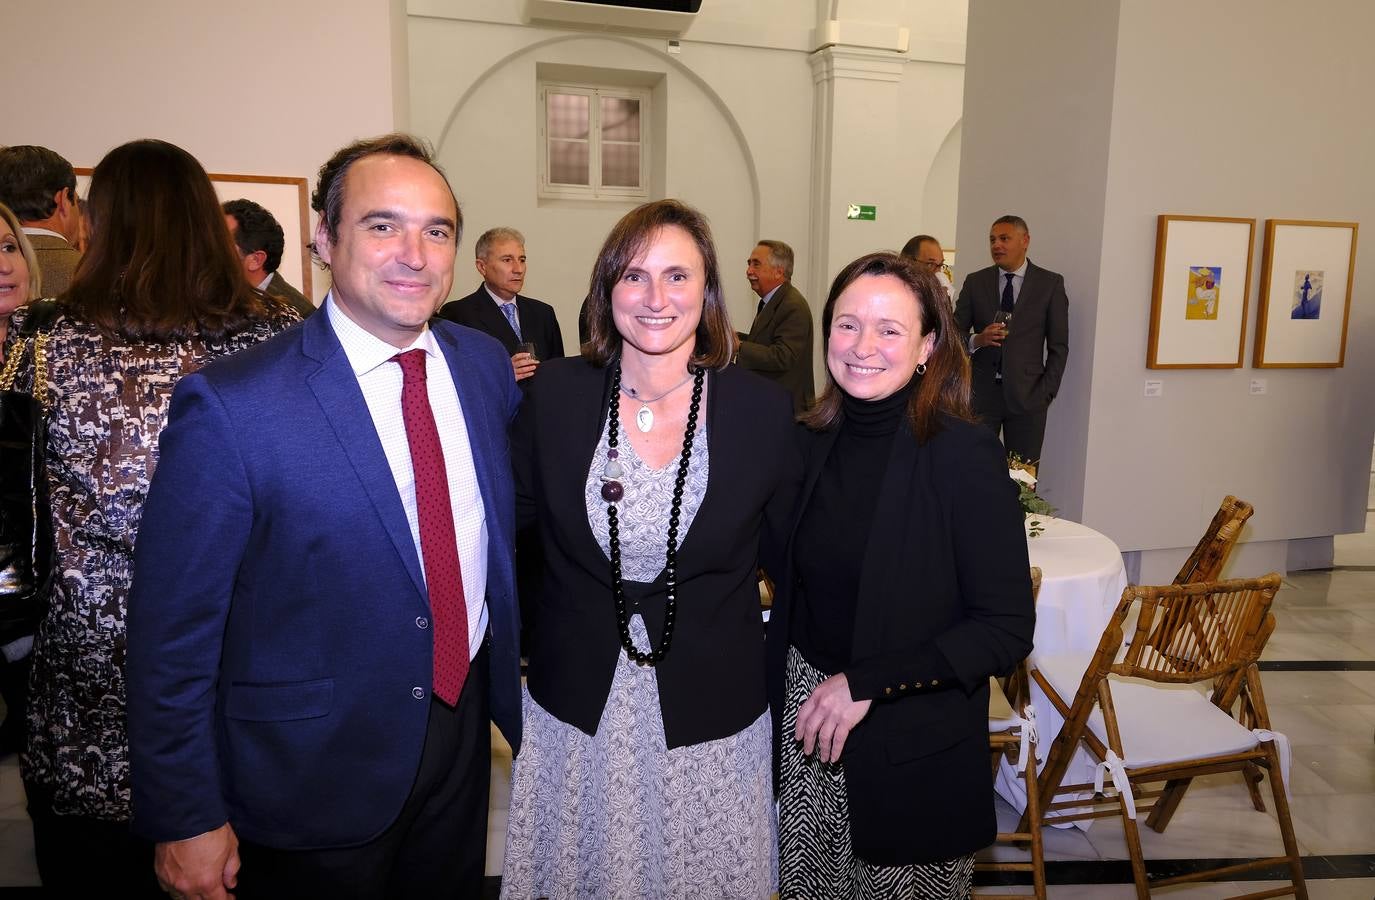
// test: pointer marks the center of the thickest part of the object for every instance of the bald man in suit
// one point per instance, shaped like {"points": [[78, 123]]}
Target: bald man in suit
{"points": [[1018, 314]]}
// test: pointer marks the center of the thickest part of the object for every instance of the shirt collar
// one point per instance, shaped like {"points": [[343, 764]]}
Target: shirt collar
{"points": [[1019, 272], [366, 351], [45, 232], [769, 296], [493, 294], [262, 285]]}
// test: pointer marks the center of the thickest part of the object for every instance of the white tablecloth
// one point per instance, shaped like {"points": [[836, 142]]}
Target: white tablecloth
{"points": [[1081, 582], [1082, 579]]}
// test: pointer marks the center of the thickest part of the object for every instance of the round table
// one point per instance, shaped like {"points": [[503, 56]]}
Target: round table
{"points": [[1081, 582], [1082, 579]]}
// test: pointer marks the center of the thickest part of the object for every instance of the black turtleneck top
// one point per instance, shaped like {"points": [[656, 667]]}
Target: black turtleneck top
{"points": [[833, 534]]}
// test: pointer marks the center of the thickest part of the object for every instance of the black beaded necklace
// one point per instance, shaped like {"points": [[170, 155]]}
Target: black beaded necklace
{"points": [[613, 491]]}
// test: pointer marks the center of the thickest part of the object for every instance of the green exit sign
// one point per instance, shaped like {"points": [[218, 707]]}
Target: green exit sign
{"points": [[861, 212]]}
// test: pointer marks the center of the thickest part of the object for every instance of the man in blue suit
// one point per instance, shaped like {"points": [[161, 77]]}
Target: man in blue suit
{"points": [[316, 649]]}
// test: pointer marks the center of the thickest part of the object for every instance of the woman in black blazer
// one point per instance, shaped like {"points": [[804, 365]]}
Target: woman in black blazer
{"points": [[907, 586], [656, 473]]}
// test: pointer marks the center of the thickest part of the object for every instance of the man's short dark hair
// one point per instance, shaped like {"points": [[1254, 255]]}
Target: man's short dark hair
{"points": [[328, 199], [29, 177], [1014, 221], [258, 230]]}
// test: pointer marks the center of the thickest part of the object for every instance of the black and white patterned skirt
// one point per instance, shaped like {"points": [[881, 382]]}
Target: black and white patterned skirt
{"points": [[816, 859]]}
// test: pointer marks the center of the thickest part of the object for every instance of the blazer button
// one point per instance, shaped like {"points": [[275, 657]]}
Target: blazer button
{"points": [[887, 690], [422, 622], [418, 693], [934, 682], [917, 685], [903, 687]]}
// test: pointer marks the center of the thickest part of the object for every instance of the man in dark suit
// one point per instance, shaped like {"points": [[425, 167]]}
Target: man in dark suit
{"points": [[39, 186], [1019, 318], [497, 307], [779, 343], [313, 653], [260, 240]]}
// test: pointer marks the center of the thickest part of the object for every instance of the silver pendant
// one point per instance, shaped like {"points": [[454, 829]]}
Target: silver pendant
{"points": [[644, 419]]}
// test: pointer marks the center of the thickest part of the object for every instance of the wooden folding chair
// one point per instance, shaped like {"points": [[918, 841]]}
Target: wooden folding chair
{"points": [[1212, 550], [1133, 707], [1012, 734], [1205, 564]]}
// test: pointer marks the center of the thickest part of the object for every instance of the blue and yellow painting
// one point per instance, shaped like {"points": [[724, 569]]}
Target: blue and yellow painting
{"points": [[1205, 287]]}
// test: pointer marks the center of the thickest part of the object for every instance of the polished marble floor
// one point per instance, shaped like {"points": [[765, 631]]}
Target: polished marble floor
{"points": [[1319, 681]]}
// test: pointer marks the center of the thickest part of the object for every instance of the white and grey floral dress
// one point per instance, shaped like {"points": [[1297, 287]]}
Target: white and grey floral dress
{"points": [[616, 814]]}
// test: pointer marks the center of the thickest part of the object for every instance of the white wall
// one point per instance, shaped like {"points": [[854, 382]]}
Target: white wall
{"points": [[1301, 452], [1037, 107], [1127, 109], [740, 129], [87, 76]]}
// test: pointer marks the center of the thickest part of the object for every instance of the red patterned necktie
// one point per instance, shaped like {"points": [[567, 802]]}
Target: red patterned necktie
{"points": [[438, 542]]}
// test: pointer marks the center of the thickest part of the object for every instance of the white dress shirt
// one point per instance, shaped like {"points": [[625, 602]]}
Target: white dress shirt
{"points": [[380, 380], [1018, 276]]}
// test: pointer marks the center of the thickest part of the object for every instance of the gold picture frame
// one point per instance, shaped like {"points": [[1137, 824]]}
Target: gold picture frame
{"points": [[1201, 292], [1305, 263]]}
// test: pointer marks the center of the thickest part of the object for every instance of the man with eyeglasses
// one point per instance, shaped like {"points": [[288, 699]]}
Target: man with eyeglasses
{"points": [[926, 252]]}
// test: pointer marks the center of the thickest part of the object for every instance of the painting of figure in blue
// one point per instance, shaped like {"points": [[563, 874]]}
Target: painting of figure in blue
{"points": [[1307, 295]]}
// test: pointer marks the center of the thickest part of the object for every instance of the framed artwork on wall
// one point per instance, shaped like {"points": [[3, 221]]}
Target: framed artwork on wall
{"points": [[1305, 294], [283, 196], [1199, 299]]}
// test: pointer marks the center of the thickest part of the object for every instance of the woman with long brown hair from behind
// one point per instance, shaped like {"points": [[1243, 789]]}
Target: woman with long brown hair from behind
{"points": [[158, 293]]}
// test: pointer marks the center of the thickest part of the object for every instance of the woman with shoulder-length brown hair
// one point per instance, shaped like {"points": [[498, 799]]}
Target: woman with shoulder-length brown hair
{"points": [[658, 475], [906, 586], [158, 294]]}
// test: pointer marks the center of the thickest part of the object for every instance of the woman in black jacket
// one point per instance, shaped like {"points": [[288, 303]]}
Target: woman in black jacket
{"points": [[655, 471], [907, 587]]}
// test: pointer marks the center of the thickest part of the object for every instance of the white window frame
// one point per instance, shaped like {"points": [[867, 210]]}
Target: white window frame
{"points": [[595, 190]]}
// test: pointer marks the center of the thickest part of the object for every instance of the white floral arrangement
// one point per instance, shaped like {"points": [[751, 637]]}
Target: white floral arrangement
{"points": [[1024, 474]]}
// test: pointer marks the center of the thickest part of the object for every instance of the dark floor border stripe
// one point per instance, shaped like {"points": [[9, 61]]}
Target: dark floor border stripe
{"points": [[1322, 569], [1317, 665], [1119, 871], [1103, 871]]}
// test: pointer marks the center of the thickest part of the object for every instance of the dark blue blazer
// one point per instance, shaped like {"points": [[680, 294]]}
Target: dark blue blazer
{"points": [[278, 671]]}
